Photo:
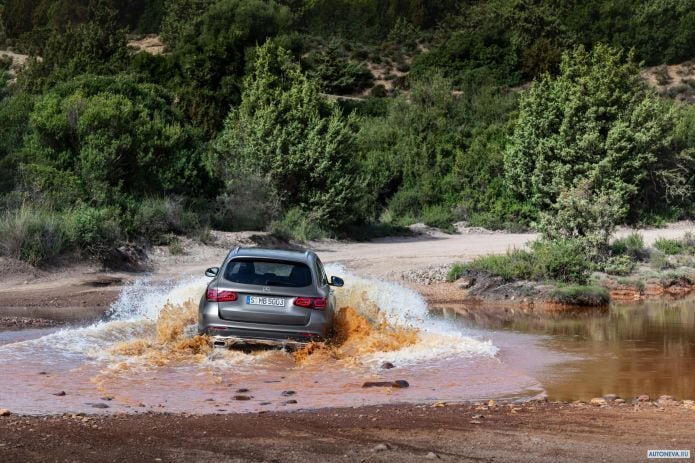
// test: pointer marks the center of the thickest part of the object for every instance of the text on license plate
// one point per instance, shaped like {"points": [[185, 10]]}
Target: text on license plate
{"points": [[259, 300]]}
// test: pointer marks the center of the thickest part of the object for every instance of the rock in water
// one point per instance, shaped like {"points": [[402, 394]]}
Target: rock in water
{"points": [[387, 366], [381, 447], [400, 383], [59, 394], [288, 393], [242, 397]]}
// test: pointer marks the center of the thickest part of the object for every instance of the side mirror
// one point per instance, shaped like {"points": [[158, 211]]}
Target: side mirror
{"points": [[338, 282], [212, 272]]}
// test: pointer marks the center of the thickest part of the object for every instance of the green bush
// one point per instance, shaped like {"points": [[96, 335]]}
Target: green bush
{"points": [[632, 246], [439, 216], [34, 236], [669, 247], [619, 265], [298, 225], [659, 261], [155, 219], [94, 232], [563, 261]]}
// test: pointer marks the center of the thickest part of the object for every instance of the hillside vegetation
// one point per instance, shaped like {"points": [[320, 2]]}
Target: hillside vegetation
{"points": [[339, 118]]}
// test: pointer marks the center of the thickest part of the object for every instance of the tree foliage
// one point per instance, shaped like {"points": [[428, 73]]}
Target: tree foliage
{"points": [[594, 135], [104, 138], [285, 131]]}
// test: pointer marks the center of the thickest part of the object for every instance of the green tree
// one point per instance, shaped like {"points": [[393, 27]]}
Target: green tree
{"points": [[596, 131], [97, 46], [110, 137], [285, 131]]}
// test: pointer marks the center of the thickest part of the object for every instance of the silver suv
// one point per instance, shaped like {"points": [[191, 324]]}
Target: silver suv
{"points": [[267, 296]]}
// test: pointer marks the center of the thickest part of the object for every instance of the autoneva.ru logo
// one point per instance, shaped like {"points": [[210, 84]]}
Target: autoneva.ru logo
{"points": [[668, 453]]}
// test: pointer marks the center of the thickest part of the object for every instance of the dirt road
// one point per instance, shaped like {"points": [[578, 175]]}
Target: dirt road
{"points": [[552, 433]]}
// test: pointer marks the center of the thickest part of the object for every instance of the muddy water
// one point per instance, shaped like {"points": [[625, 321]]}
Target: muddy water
{"points": [[628, 349], [143, 357]]}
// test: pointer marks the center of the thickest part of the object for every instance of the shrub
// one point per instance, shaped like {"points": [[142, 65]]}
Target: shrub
{"points": [[94, 232], [563, 261], [155, 219], [298, 225], [34, 236], [248, 202], [669, 247], [456, 271], [619, 265], [176, 247], [659, 261], [438, 216], [632, 246]]}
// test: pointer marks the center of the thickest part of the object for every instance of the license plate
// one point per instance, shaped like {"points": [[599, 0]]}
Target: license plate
{"points": [[259, 300]]}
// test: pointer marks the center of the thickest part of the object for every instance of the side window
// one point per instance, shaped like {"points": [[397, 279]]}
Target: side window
{"points": [[321, 273]]}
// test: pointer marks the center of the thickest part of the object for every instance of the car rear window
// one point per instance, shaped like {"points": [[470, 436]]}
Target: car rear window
{"points": [[268, 273]]}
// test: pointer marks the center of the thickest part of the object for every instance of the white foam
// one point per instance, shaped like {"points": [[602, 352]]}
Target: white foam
{"points": [[401, 306], [131, 316]]}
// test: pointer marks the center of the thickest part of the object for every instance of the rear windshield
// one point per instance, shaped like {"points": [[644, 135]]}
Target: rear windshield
{"points": [[268, 273]]}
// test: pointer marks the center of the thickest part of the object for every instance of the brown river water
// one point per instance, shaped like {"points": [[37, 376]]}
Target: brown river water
{"points": [[143, 356]]}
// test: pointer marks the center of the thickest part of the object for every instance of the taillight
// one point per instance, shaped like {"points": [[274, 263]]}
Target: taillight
{"points": [[311, 302], [213, 295]]}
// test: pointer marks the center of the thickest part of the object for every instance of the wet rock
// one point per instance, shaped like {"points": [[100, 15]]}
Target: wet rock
{"points": [[107, 398], [43, 373], [289, 402], [381, 447], [264, 403], [99, 405], [598, 401], [5, 412], [387, 366], [288, 393], [400, 383], [59, 394], [611, 397], [242, 397], [242, 390], [431, 456], [129, 257], [666, 400], [209, 400]]}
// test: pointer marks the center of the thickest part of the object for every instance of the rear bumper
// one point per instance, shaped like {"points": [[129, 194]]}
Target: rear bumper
{"points": [[210, 323], [234, 341]]}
